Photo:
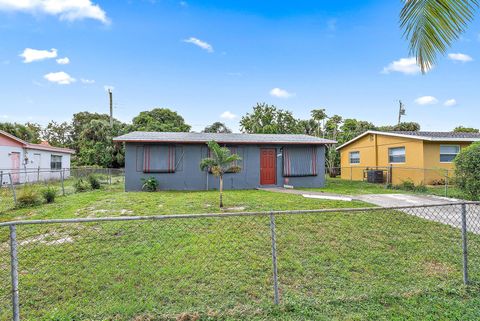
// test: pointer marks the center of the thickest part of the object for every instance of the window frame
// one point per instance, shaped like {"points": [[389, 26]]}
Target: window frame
{"points": [[449, 145], [350, 157], [404, 155], [60, 161]]}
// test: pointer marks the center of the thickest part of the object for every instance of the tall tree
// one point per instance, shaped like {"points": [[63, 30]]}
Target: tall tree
{"points": [[319, 115], [160, 120], [352, 128], [29, 132], [309, 127], [220, 162], [267, 119], [96, 146], [461, 129], [431, 26], [58, 134], [217, 127]]}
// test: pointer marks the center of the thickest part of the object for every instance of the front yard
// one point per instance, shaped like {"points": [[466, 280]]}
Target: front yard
{"points": [[333, 266]]}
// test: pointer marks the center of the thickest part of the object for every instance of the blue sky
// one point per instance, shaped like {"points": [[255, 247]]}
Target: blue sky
{"points": [[213, 60]]}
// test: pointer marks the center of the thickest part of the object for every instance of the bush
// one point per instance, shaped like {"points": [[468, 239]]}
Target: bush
{"points": [[467, 171], [49, 193], [438, 182], [410, 186], [150, 184], [81, 186], [406, 186], [94, 181], [28, 196]]}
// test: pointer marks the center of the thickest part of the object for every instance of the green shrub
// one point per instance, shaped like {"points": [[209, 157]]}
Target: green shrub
{"points": [[467, 171], [407, 185], [81, 186], [410, 186], [28, 196], [93, 181], [150, 184], [49, 193]]}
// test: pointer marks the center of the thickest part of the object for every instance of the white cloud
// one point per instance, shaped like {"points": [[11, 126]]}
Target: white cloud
{"points": [[280, 93], [87, 81], [450, 102], [460, 57], [426, 100], [63, 61], [200, 43], [30, 55], [406, 66], [228, 115], [61, 78], [65, 9]]}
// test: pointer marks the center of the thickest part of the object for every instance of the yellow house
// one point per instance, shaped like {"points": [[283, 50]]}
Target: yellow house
{"points": [[420, 157]]}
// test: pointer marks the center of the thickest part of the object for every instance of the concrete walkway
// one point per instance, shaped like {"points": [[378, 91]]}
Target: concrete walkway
{"points": [[450, 215]]}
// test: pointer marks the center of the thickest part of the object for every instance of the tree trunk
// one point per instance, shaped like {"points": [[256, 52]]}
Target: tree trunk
{"points": [[221, 191]]}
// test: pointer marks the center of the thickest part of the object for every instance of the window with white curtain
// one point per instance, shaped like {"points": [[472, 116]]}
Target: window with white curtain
{"points": [[354, 157], [396, 155], [448, 153]]}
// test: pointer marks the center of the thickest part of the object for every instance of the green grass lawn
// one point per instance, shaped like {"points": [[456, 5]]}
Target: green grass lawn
{"points": [[347, 187], [372, 265]]}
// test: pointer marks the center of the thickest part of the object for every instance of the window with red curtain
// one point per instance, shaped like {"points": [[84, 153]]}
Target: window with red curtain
{"points": [[299, 161], [159, 159]]}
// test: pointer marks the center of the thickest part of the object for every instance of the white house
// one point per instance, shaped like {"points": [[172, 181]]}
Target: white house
{"points": [[26, 162]]}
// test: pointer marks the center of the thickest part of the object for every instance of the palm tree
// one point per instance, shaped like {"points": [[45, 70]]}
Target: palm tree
{"points": [[221, 161], [319, 116], [431, 26]]}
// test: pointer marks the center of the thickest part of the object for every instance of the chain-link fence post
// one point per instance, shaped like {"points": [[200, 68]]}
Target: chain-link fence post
{"points": [[110, 176], [12, 187], [446, 183], [464, 244], [1, 178], [14, 272], [62, 174], [274, 259]]}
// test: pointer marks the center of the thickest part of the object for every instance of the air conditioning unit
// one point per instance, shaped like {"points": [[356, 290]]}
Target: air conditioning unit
{"points": [[375, 176]]}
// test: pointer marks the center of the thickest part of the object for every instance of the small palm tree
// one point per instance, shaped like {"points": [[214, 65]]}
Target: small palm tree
{"points": [[221, 161]]}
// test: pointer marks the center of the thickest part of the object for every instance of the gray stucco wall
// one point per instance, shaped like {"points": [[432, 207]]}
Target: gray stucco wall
{"points": [[188, 175]]}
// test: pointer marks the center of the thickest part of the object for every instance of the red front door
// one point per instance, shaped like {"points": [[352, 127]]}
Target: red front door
{"points": [[268, 172]]}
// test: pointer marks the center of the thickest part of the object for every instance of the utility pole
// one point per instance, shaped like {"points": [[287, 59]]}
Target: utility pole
{"points": [[110, 96], [401, 111]]}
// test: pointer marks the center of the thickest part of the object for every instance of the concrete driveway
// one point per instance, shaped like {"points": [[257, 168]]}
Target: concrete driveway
{"points": [[393, 200], [449, 214]]}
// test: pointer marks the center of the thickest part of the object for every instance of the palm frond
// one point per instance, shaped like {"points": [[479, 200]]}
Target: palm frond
{"points": [[232, 158], [207, 163], [431, 26]]}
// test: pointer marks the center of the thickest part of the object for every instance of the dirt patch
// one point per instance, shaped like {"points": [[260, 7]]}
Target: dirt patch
{"points": [[53, 238], [439, 269], [234, 209]]}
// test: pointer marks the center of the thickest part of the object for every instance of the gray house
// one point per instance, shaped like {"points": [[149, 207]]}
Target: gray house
{"points": [[267, 160]]}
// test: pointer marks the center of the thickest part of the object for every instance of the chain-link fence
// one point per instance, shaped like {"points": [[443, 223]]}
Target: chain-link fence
{"points": [[158, 267], [442, 178], [12, 183]]}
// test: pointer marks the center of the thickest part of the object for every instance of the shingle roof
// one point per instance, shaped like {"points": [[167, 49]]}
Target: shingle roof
{"points": [[37, 146], [421, 135], [168, 137], [447, 135]]}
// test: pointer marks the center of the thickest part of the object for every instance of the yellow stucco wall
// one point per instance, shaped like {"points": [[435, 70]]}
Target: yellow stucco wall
{"points": [[422, 158]]}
